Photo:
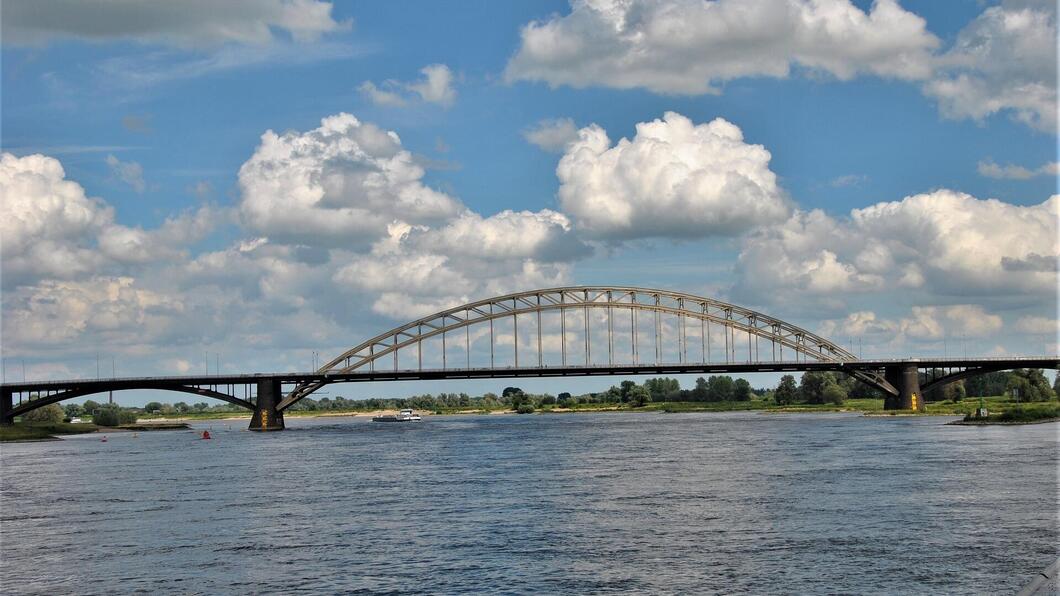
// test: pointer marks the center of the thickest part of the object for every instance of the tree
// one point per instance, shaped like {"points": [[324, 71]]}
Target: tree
{"points": [[833, 393], [50, 414], [954, 392], [91, 407], [152, 406], [181, 407], [700, 393], [741, 390], [811, 387], [107, 415], [510, 391], [787, 392], [73, 410], [1056, 385], [638, 396], [661, 388], [720, 388], [1031, 385]]}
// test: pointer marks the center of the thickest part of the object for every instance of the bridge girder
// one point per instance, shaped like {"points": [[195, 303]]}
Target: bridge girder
{"points": [[944, 380], [43, 400]]}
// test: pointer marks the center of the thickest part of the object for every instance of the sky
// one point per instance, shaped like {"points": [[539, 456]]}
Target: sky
{"points": [[259, 185]]}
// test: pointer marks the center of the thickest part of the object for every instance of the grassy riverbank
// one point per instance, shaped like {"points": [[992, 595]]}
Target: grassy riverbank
{"points": [[23, 431], [1021, 414]]}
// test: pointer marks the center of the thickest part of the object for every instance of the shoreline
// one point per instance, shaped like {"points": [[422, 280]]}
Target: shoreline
{"points": [[1002, 422]]}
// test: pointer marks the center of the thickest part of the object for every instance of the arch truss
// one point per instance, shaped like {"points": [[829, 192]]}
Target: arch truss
{"points": [[584, 327]]}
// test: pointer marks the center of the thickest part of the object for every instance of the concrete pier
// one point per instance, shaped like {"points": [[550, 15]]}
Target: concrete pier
{"points": [[266, 416]]}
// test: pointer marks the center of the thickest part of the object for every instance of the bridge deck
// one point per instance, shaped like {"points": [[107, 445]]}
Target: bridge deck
{"points": [[120, 383]]}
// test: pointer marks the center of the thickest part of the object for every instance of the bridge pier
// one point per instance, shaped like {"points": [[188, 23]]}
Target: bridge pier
{"points": [[6, 405], [906, 378], [266, 416]]}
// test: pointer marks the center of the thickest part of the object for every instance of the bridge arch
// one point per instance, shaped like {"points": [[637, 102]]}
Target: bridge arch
{"points": [[381, 351], [42, 400]]}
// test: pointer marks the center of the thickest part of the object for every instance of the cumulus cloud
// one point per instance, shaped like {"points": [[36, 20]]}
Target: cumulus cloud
{"points": [[128, 172], [1003, 61], [1013, 172], [945, 242], [691, 46], [340, 184], [55, 312], [417, 270], [191, 24], [51, 229], [922, 324], [552, 135], [673, 179], [436, 86]]}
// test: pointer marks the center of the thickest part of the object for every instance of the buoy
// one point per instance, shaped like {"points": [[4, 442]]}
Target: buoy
{"points": [[206, 434]]}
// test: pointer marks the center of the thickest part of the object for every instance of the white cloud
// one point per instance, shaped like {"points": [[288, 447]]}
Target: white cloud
{"points": [[1013, 172], [192, 23], [382, 97], [848, 180], [139, 71], [417, 270], [922, 324], [1038, 326], [690, 46], [128, 172], [1003, 61], [552, 135], [52, 230], [99, 308], [674, 179], [436, 86], [340, 184], [945, 242]]}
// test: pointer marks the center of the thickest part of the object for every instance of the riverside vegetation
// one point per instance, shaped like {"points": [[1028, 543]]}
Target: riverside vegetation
{"points": [[815, 391]]}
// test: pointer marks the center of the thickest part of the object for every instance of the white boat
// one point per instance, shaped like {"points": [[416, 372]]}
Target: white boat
{"points": [[403, 416]]}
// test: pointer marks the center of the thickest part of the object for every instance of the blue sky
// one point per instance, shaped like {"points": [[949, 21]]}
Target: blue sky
{"points": [[154, 116]]}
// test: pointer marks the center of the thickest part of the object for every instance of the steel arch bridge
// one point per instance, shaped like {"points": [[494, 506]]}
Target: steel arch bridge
{"points": [[735, 333], [568, 331]]}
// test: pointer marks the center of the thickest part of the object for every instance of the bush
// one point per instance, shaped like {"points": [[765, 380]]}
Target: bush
{"points": [[525, 409], [49, 414], [112, 415]]}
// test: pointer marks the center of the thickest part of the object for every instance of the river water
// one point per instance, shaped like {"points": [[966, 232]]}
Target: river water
{"points": [[585, 503]]}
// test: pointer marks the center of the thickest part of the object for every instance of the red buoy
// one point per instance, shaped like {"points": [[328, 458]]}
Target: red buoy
{"points": [[206, 434]]}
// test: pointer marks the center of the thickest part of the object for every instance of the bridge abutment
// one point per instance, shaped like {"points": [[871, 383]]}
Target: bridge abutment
{"points": [[6, 405], [906, 378], [266, 416]]}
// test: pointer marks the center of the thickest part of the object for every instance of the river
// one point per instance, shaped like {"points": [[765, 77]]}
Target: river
{"points": [[584, 503]]}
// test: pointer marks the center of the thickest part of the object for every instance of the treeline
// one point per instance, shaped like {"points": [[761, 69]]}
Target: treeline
{"points": [[102, 414], [1023, 384], [1026, 385]]}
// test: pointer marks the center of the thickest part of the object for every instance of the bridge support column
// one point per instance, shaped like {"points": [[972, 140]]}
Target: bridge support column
{"points": [[6, 405], [266, 416], [906, 378]]}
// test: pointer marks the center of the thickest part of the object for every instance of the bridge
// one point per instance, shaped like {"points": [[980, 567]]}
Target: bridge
{"points": [[571, 331]]}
